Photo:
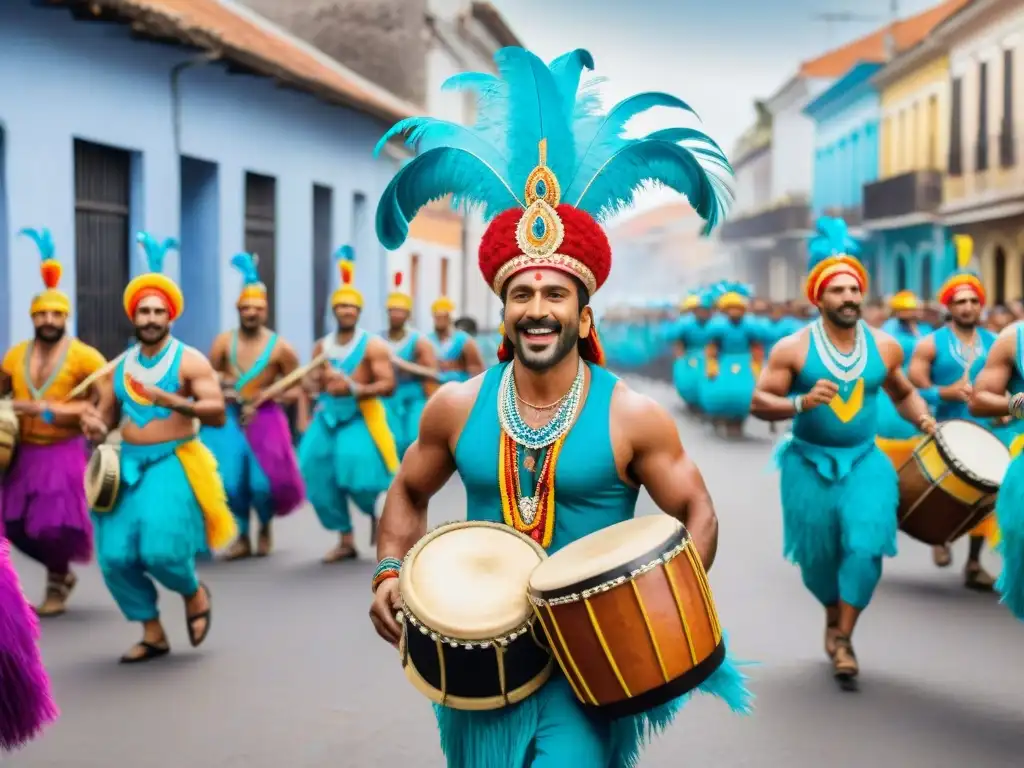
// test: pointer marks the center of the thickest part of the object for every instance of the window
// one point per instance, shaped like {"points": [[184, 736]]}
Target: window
{"points": [[956, 161], [444, 275], [1007, 156], [261, 233], [932, 160], [981, 150], [1000, 270]]}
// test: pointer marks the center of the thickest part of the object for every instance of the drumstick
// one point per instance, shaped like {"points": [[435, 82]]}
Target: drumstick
{"points": [[93, 377], [415, 368], [287, 382]]}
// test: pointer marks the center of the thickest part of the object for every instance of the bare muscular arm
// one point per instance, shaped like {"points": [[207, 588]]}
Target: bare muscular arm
{"points": [[990, 397], [378, 357], [660, 464], [771, 397], [207, 401], [287, 361], [219, 353], [472, 358], [920, 370]]}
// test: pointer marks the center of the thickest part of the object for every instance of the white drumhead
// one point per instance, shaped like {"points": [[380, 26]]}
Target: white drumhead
{"points": [[603, 551], [977, 450], [469, 581]]}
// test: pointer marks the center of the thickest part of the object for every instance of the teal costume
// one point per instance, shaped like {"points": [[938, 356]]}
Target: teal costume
{"points": [[728, 395], [405, 406], [951, 362], [339, 458], [890, 424], [156, 526], [689, 371], [551, 729], [449, 351]]}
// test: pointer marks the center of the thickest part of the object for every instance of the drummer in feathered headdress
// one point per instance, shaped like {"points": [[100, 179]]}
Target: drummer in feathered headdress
{"points": [[348, 453], [839, 490], [735, 353], [546, 164], [43, 506], [457, 352], [170, 501], [409, 348], [941, 368], [254, 450]]}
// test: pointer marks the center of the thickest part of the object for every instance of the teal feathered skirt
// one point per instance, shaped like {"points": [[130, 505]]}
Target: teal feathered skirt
{"points": [[728, 395], [1010, 517], [405, 407], [890, 424], [551, 729]]}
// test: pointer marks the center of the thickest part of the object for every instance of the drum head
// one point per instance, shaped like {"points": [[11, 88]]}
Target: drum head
{"points": [[469, 580], [605, 551], [974, 451]]}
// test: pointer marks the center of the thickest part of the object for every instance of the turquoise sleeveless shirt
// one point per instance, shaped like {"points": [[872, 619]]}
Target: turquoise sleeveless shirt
{"points": [[589, 494], [407, 386], [853, 421], [450, 350], [162, 371], [952, 361], [339, 409]]}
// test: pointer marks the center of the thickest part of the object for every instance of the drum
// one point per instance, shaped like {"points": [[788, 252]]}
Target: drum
{"points": [[103, 478], [9, 428], [949, 483], [629, 615], [468, 632]]}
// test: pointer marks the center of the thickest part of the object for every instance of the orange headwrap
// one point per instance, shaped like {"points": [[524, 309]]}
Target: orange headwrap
{"points": [[828, 270]]}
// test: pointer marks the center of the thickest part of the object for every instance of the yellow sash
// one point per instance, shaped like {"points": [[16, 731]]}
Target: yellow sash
{"points": [[201, 472], [377, 423]]}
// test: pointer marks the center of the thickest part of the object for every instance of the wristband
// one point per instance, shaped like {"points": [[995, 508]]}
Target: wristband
{"points": [[1017, 405], [798, 403], [388, 568]]}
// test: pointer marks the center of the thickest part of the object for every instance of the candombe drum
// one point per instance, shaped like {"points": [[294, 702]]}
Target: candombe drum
{"points": [[629, 615], [103, 478], [950, 482], [469, 636], [9, 428]]}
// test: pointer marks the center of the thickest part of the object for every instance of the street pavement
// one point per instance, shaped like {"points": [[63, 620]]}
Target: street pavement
{"points": [[293, 675]]}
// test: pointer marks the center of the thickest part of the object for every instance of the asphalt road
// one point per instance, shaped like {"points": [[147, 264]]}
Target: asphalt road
{"points": [[293, 675]]}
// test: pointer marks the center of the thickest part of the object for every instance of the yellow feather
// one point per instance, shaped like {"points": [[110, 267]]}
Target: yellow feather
{"points": [[964, 245]]}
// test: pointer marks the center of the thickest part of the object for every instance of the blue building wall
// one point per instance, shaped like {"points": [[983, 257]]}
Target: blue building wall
{"points": [[915, 258], [62, 80]]}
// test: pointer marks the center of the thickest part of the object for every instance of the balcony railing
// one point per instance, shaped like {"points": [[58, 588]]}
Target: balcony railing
{"points": [[785, 218], [908, 193], [852, 216]]}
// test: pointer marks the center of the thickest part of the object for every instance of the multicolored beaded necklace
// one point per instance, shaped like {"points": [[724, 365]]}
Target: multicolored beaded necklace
{"points": [[533, 515]]}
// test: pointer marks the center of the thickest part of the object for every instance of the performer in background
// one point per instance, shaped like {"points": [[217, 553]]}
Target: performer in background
{"points": [[691, 351], [348, 451], [171, 502], [405, 406], [904, 325], [734, 356], [940, 369], [839, 491], [550, 417], [26, 701], [44, 507], [457, 352], [256, 460], [998, 392]]}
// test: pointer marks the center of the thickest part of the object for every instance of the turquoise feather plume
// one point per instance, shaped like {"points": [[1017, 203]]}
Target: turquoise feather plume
{"points": [[345, 253], [600, 170], [832, 239], [43, 240], [246, 264], [156, 251]]}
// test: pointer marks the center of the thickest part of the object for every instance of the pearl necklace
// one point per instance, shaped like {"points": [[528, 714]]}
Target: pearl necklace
{"points": [[525, 435]]}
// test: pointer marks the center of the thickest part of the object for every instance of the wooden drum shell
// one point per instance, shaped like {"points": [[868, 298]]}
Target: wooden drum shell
{"points": [[641, 643], [937, 505]]}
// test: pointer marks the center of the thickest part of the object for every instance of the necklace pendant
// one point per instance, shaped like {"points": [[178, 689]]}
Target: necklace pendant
{"points": [[528, 509], [530, 463]]}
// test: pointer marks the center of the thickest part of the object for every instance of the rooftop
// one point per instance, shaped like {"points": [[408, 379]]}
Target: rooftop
{"points": [[249, 43], [647, 222]]}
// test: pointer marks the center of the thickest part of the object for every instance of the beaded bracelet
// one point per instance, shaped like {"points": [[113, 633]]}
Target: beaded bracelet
{"points": [[388, 568], [1017, 405]]}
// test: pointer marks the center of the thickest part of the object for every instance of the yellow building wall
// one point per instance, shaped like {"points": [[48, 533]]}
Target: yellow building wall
{"points": [[915, 120]]}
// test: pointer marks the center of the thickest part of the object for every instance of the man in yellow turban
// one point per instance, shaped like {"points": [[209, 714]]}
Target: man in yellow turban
{"points": [[348, 452], [44, 507], [170, 503], [457, 351]]}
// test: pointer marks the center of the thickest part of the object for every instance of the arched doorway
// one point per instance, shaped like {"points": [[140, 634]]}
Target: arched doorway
{"points": [[999, 269], [901, 274], [926, 276]]}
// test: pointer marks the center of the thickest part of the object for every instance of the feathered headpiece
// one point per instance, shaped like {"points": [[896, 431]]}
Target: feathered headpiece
{"points": [[832, 252], [442, 306], [732, 294], [708, 296], [545, 164], [51, 299], [690, 302], [253, 289], [399, 299], [963, 279], [154, 282], [346, 293]]}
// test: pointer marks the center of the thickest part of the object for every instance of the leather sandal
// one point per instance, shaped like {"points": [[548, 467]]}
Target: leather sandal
{"points": [[195, 637], [978, 579], [150, 651], [942, 556], [831, 633], [844, 662], [58, 590]]}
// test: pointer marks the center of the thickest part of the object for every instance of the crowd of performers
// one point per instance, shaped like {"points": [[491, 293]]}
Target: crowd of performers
{"points": [[152, 460]]}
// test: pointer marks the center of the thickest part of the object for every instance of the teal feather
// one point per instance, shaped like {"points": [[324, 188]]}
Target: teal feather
{"points": [[246, 264], [427, 133], [155, 251], [43, 240], [567, 70], [832, 239], [345, 253]]}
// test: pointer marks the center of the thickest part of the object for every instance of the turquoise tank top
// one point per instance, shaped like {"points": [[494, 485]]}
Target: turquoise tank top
{"points": [[407, 386], [339, 409], [851, 419], [952, 361], [450, 350], [162, 371], [734, 338], [246, 376], [696, 335], [589, 494]]}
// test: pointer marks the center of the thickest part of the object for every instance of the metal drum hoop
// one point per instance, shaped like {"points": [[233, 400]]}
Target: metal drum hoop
{"points": [[955, 466]]}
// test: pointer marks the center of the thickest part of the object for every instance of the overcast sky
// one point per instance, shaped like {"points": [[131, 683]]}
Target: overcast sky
{"points": [[718, 56]]}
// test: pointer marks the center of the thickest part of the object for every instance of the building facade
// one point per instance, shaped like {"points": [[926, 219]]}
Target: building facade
{"points": [[104, 132], [984, 187], [846, 146]]}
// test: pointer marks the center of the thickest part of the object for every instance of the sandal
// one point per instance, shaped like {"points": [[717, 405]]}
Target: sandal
{"points": [[831, 634], [58, 590], [978, 579], [264, 542], [942, 556], [844, 663], [193, 637], [150, 651]]}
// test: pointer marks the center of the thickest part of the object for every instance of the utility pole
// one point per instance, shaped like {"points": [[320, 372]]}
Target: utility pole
{"points": [[842, 17]]}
